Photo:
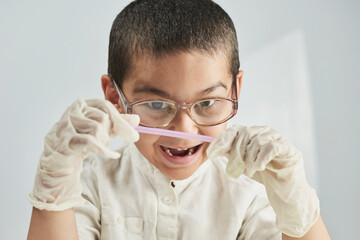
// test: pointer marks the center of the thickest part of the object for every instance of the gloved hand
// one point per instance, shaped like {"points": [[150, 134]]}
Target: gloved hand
{"points": [[85, 127], [264, 155]]}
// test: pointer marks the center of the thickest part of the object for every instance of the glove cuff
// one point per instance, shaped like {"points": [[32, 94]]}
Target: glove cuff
{"points": [[296, 220], [56, 192], [55, 206]]}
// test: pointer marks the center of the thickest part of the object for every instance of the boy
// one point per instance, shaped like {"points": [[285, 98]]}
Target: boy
{"points": [[173, 64]]}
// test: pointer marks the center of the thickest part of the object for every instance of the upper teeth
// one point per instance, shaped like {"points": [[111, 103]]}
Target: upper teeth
{"points": [[190, 150], [168, 151]]}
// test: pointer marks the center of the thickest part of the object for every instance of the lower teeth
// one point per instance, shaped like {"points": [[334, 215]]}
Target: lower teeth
{"points": [[191, 151]]}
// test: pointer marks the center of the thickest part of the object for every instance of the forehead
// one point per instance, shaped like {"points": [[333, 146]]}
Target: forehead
{"points": [[181, 74]]}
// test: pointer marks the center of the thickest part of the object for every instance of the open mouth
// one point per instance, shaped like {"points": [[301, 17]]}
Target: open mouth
{"points": [[180, 152]]}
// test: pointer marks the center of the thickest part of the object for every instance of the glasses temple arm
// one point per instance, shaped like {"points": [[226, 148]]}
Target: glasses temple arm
{"points": [[121, 95]]}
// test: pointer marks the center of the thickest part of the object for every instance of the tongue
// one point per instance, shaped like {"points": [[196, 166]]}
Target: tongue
{"points": [[180, 153]]}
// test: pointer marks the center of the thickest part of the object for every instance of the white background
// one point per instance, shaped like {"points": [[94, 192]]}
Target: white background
{"points": [[52, 52]]}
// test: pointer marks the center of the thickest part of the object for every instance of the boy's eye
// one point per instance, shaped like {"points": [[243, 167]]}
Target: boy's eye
{"points": [[206, 103], [158, 105]]}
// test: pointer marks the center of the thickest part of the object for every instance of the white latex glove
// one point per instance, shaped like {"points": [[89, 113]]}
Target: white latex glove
{"points": [[85, 127], [264, 155]]}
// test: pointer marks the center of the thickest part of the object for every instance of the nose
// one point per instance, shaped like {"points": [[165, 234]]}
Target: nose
{"points": [[182, 122]]}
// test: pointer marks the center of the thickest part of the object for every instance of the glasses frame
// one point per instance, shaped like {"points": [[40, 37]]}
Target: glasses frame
{"points": [[179, 106]]}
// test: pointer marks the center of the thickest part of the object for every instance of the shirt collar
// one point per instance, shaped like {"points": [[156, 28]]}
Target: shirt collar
{"points": [[149, 170]]}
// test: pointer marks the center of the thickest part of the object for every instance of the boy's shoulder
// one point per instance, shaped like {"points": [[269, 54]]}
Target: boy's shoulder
{"points": [[242, 193], [97, 164], [239, 184]]}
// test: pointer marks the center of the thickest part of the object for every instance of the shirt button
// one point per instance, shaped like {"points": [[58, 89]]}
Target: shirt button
{"points": [[119, 220], [168, 200]]}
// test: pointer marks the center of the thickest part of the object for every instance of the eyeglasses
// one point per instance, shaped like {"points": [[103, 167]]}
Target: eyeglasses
{"points": [[159, 113]]}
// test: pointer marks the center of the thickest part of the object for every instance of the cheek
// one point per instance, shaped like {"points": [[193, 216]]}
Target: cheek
{"points": [[214, 131], [146, 144]]}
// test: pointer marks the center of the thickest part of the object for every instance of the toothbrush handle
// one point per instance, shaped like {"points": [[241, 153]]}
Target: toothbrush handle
{"points": [[177, 134]]}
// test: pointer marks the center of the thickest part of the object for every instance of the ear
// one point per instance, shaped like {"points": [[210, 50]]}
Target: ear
{"points": [[110, 92], [239, 77]]}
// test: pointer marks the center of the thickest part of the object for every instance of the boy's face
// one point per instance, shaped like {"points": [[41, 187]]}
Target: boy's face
{"points": [[183, 78]]}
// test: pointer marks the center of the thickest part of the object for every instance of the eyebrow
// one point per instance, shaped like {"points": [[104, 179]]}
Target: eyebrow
{"points": [[149, 89], [212, 88]]}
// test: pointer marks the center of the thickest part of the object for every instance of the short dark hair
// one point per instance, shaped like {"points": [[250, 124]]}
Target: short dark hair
{"points": [[159, 27]]}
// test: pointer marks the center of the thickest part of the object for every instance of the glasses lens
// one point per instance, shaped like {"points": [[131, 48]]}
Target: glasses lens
{"points": [[154, 113], [212, 111]]}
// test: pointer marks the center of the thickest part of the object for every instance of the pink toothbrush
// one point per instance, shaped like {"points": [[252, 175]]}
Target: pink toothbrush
{"points": [[170, 133]]}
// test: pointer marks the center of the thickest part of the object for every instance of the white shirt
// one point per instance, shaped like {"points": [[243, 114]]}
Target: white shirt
{"points": [[129, 198]]}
